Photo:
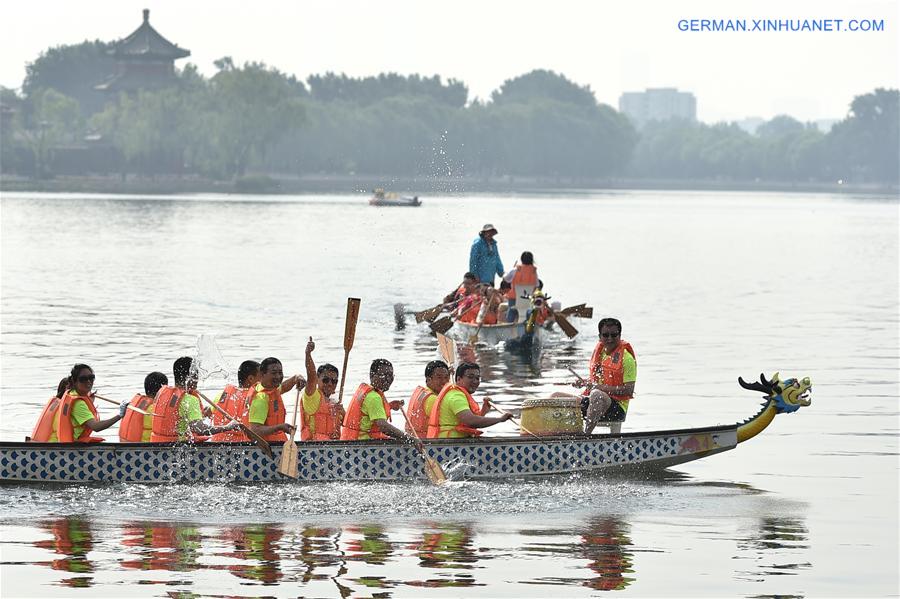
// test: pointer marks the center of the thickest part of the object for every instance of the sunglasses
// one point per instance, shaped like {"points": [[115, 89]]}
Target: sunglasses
{"points": [[328, 380], [608, 335], [86, 378]]}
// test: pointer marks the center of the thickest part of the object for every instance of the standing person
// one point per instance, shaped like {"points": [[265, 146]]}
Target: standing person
{"points": [[267, 411], [484, 257], [236, 403], [136, 427], [455, 413], [73, 416], [178, 413], [322, 415], [369, 411], [437, 374], [612, 374]]}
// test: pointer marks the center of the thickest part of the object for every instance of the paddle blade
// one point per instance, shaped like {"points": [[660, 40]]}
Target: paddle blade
{"points": [[442, 325], [350, 325], [288, 464], [579, 311], [445, 346], [430, 314], [565, 325], [434, 471], [400, 316], [260, 442]]}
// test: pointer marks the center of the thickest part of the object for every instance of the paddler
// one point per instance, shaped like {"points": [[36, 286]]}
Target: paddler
{"points": [[73, 416], [236, 402], [178, 413], [136, 427], [455, 413], [612, 376], [267, 410], [369, 411], [437, 374], [322, 415]]}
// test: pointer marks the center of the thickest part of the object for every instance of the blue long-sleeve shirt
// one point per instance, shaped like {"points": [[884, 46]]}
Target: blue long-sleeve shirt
{"points": [[484, 260]]}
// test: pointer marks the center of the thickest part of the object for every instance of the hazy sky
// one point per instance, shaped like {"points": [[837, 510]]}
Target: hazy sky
{"points": [[611, 46]]}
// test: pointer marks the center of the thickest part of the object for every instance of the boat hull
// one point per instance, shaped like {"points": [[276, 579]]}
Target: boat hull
{"points": [[512, 335], [491, 458]]}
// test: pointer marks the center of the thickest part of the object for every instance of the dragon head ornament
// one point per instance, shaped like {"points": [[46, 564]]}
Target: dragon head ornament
{"points": [[788, 395]]}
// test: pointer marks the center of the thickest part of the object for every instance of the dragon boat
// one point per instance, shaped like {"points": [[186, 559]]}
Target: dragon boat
{"points": [[486, 458]]}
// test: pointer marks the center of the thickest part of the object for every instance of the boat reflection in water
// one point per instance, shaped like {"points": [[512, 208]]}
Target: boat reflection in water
{"points": [[162, 546], [73, 539], [257, 546], [448, 547], [607, 545]]}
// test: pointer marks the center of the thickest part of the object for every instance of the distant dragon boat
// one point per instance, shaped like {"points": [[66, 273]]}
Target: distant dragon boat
{"points": [[380, 198], [486, 458]]}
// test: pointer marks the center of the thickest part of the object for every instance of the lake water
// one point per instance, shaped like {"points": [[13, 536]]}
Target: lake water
{"points": [[709, 286]]}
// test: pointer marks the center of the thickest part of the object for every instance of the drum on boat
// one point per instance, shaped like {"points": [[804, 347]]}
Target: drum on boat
{"points": [[552, 416]]}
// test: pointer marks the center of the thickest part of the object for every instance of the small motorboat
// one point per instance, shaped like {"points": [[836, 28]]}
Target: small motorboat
{"points": [[380, 198]]}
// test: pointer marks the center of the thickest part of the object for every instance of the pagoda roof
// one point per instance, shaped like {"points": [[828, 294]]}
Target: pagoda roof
{"points": [[146, 42]]}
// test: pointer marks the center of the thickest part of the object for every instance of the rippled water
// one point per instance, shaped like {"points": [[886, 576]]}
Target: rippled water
{"points": [[709, 286]]}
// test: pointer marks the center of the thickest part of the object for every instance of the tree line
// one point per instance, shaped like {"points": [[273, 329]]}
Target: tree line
{"points": [[254, 118]]}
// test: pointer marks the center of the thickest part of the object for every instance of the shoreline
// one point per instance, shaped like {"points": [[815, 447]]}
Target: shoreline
{"points": [[280, 185]]}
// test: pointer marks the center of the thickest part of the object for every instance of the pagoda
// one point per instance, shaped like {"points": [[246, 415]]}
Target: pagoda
{"points": [[144, 60]]}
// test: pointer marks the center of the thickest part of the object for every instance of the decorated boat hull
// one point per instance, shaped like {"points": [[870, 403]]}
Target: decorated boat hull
{"points": [[489, 458], [395, 201], [480, 458]]}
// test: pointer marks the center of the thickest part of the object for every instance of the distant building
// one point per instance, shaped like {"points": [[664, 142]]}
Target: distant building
{"points": [[659, 104], [144, 60]]}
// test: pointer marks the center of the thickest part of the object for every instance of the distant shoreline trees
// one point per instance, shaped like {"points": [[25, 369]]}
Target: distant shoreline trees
{"points": [[540, 124]]}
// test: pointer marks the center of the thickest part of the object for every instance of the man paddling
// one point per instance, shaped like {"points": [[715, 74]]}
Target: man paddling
{"points": [[134, 426], [178, 413], [322, 416], [235, 401], [369, 411], [612, 376], [455, 413], [437, 374], [267, 410]]}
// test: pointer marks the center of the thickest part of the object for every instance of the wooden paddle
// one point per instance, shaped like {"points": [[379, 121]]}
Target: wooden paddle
{"points": [[288, 464], [563, 323], [514, 421], [433, 468], [130, 407], [579, 311], [447, 347], [253, 435], [441, 325], [349, 336], [430, 314]]}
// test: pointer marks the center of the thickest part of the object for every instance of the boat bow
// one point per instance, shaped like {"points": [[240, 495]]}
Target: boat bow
{"points": [[782, 397]]}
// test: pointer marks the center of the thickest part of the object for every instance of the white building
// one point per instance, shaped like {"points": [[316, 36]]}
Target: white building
{"points": [[658, 104]]}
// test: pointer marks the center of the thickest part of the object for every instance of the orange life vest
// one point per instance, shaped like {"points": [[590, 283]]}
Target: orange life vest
{"points": [[236, 402], [350, 431], [526, 274], [418, 417], [434, 420], [611, 371], [276, 413], [44, 427], [325, 421], [165, 424], [65, 430], [131, 427], [469, 307]]}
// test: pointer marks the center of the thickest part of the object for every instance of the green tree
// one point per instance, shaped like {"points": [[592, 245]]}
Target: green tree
{"points": [[73, 70], [866, 145], [54, 119], [544, 84]]}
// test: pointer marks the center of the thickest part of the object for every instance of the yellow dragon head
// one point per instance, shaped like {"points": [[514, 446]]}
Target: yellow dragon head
{"points": [[788, 395]]}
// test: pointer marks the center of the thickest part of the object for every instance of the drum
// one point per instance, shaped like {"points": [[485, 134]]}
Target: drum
{"points": [[553, 416]]}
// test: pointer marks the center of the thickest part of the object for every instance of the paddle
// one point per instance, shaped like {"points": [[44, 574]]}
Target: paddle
{"points": [[579, 311], [430, 314], [474, 337], [253, 435], [130, 407], [432, 467], [563, 323], [514, 421], [447, 347], [349, 336], [288, 464], [577, 376], [441, 325]]}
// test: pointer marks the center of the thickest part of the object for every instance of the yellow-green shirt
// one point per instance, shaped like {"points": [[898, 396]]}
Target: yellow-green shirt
{"points": [[80, 414], [454, 402], [372, 409], [259, 405], [188, 411]]}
